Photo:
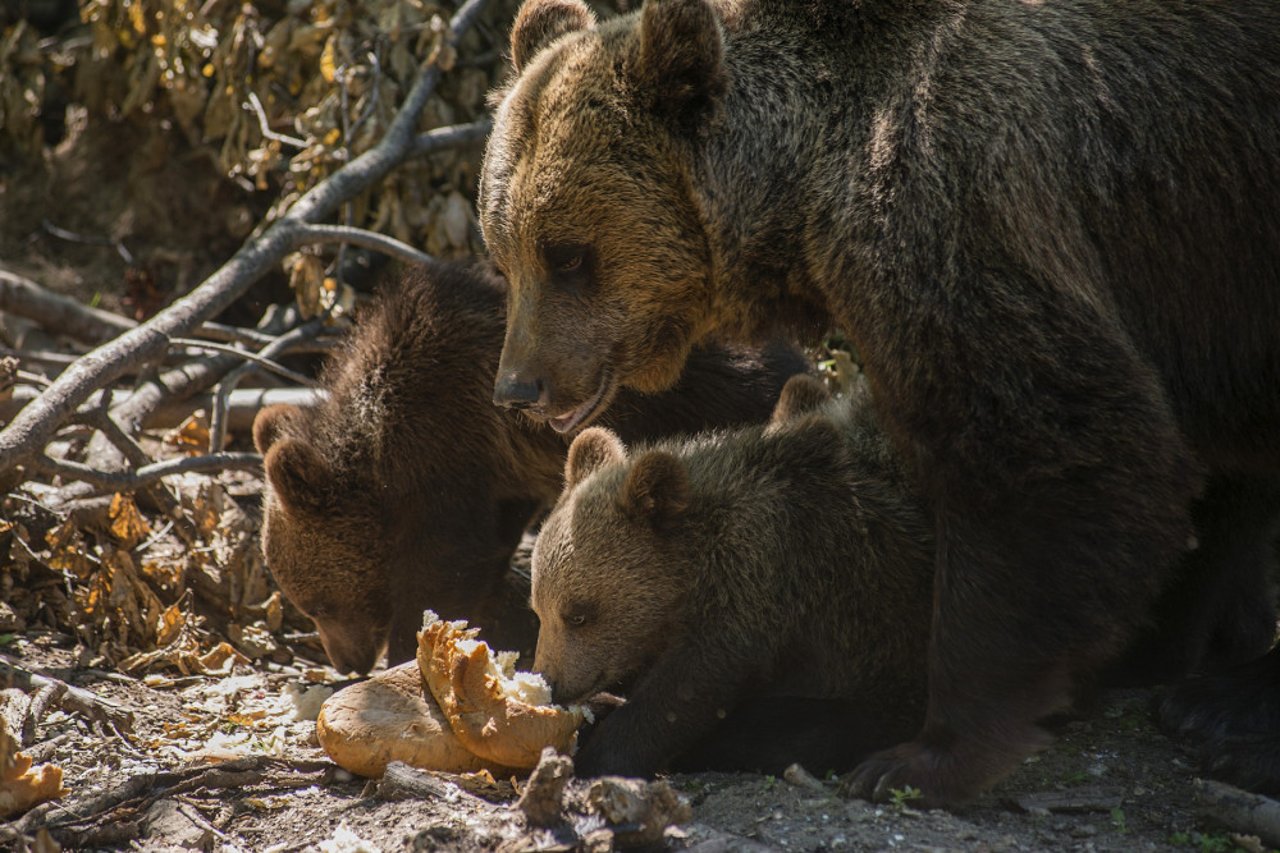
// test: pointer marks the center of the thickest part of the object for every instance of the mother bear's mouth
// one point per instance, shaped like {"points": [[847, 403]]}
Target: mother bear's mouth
{"points": [[594, 405]]}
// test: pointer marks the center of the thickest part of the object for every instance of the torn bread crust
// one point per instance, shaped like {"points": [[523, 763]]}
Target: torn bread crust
{"points": [[392, 717], [501, 715]]}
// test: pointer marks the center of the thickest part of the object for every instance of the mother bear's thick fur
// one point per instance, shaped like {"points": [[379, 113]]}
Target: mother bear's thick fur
{"points": [[1052, 231]]}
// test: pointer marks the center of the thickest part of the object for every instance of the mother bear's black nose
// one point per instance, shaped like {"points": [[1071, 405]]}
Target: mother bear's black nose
{"points": [[516, 392]]}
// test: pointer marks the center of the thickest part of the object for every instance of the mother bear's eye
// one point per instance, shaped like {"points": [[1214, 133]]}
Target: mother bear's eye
{"points": [[568, 258], [575, 619]]}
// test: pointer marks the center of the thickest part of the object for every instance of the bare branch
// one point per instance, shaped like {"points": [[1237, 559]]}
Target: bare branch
{"points": [[196, 375], [88, 240], [450, 137], [222, 394], [130, 481], [242, 405], [234, 334], [346, 234], [58, 313], [32, 428], [38, 356], [264, 363], [255, 106], [1239, 810]]}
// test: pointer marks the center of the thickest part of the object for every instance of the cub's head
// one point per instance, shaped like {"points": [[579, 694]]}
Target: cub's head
{"points": [[610, 567], [323, 545], [587, 203]]}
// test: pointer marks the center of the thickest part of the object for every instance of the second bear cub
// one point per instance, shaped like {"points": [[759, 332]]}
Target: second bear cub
{"points": [[785, 567]]}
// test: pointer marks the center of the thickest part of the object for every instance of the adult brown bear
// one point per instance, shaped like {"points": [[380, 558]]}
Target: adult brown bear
{"points": [[1050, 228]]}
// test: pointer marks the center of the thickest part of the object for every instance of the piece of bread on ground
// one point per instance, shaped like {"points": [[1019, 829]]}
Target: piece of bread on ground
{"points": [[499, 714], [391, 717]]}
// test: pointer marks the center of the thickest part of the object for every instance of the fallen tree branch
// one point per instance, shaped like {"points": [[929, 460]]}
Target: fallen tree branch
{"points": [[70, 698], [195, 375], [402, 782], [131, 481], [86, 816], [1239, 810], [234, 334], [450, 137], [35, 425], [87, 240], [259, 360], [222, 394], [348, 235], [39, 356], [242, 405], [57, 313]]}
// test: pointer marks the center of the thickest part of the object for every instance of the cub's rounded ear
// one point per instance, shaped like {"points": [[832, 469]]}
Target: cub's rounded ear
{"points": [[298, 475], [269, 424], [800, 396], [681, 61], [656, 488], [594, 447], [540, 22]]}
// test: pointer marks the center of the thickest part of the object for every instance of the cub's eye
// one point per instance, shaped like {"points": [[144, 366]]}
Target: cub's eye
{"points": [[567, 258], [575, 620]]}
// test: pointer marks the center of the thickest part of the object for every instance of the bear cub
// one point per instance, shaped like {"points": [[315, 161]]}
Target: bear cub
{"points": [[407, 489], [760, 596]]}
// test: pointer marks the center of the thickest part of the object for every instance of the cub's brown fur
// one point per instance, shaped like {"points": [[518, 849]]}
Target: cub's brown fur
{"points": [[407, 489], [1049, 228], [785, 567]]}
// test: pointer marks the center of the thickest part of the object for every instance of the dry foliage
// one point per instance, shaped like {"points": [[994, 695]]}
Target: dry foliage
{"points": [[325, 77], [282, 95], [140, 592]]}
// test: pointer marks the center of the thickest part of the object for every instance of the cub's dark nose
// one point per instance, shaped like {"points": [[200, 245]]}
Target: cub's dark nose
{"points": [[515, 392]]}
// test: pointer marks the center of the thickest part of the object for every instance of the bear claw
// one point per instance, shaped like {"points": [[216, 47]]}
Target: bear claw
{"points": [[915, 773]]}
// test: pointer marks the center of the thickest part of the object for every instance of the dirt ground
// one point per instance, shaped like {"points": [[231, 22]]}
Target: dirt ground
{"points": [[1109, 783]]}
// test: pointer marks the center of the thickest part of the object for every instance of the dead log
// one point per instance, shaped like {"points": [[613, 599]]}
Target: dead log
{"points": [[1239, 810]]}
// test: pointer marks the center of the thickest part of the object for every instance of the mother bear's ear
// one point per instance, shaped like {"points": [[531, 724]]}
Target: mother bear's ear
{"points": [[680, 67], [540, 22]]}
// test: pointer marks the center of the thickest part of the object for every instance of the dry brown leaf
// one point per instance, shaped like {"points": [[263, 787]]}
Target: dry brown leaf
{"points": [[67, 552], [306, 277], [127, 524], [192, 437], [172, 621]]}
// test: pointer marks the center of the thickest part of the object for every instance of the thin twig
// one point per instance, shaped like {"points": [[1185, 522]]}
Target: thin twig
{"points": [[40, 356], [255, 106], [260, 361], [348, 235], [88, 240], [100, 418], [75, 699], [242, 405], [222, 394], [234, 334], [183, 380], [131, 481], [32, 428]]}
